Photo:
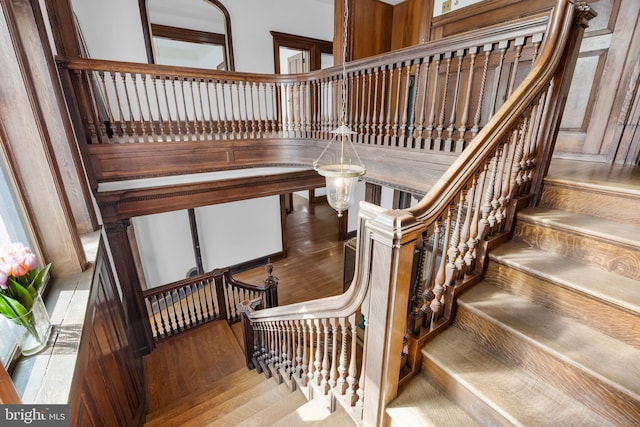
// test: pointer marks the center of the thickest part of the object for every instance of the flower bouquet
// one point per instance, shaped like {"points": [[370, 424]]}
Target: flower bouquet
{"points": [[20, 300]]}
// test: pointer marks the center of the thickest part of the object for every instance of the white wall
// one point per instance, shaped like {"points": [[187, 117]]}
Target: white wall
{"points": [[232, 233], [111, 29], [164, 244], [251, 21]]}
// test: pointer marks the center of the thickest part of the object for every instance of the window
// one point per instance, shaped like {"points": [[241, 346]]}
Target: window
{"points": [[12, 229]]}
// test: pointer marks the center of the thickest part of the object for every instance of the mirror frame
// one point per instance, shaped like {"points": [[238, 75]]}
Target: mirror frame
{"points": [[147, 33]]}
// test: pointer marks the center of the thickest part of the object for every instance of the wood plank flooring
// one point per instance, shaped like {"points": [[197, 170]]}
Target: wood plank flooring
{"points": [[193, 360]]}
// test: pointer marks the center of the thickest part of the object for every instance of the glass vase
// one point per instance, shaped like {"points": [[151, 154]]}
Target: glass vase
{"points": [[33, 329]]}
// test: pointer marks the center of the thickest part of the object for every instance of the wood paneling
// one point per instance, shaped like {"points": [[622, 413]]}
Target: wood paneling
{"points": [[108, 384], [369, 29]]}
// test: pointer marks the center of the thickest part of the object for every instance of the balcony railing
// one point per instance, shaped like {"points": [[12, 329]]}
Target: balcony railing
{"points": [[182, 305]]}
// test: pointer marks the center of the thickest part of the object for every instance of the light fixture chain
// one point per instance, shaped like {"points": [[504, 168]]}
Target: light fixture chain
{"points": [[343, 118]]}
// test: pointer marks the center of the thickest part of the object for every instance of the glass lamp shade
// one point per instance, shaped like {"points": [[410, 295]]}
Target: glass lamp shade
{"points": [[341, 180]]}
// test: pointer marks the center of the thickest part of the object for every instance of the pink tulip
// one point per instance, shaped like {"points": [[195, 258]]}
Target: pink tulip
{"points": [[3, 277]]}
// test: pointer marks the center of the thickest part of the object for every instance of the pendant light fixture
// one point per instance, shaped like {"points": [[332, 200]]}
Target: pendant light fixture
{"points": [[341, 177]]}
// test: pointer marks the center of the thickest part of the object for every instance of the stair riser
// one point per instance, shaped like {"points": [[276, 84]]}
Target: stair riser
{"points": [[584, 387], [587, 201], [589, 250], [477, 407], [594, 312]]}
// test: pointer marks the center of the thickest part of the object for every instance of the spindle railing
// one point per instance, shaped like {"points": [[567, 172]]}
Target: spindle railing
{"points": [[431, 98], [318, 343], [182, 305]]}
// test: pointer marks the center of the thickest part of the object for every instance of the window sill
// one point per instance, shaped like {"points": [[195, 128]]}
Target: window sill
{"points": [[45, 378]]}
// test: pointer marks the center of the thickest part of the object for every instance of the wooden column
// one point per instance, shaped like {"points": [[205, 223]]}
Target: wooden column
{"points": [[135, 313], [27, 140], [393, 235]]}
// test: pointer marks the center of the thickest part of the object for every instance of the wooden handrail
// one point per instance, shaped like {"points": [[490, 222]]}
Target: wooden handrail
{"points": [[472, 203], [190, 302]]}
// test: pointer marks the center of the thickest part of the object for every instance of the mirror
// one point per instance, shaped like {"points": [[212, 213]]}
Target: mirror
{"points": [[190, 33]]}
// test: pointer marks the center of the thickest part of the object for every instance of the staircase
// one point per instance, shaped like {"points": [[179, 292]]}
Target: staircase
{"points": [[245, 398], [551, 336]]}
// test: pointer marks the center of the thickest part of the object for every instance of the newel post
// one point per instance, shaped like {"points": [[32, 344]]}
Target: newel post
{"points": [[393, 237], [246, 307]]}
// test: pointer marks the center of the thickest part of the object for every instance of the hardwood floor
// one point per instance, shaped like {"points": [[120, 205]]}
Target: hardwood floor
{"points": [[192, 361]]}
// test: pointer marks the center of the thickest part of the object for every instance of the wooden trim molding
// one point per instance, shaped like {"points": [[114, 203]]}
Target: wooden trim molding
{"points": [[187, 35], [315, 47]]}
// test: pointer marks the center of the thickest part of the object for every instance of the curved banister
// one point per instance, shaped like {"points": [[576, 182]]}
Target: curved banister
{"points": [[469, 204]]}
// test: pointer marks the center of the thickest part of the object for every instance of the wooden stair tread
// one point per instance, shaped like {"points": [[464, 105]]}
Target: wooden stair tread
{"points": [[263, 409], [617, 290], [604, 229], [420, 403], [315, 413], [520, 398], [579, 345], [619, 188], [220, 390]]}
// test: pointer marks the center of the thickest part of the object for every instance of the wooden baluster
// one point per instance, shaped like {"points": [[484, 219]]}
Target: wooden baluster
{"points": [[193, 126], [260, 120], [382, 98], [519, 43], [488, 48], [421, 81], [363, 107], [245, 86], [488, 220], [387, 119], [341, 382], [179, 124], [429, 143], [352, 380], [107, 102], [333, 373], [462, 129], [163, 318], [182, 300], [503, 45], [223, 106], [452, 249], [154, 82], [252, 102], [470, 256], [374, 106], [445, 92], [133, 129], [498, 201], [193, 303], [401, 134], [145, 83], [519, 166], [358, 401], [235, 122], [317, 360], [428, 295], [297, 349], [306, 110], [143, 122], [283, 343], [285, 110], [305, 352], [448, 145], [440, 280], [312, 353], [324, 372], [123, 129], [396, 113], [175, 323], [356, 105], [350, 103], [505, 196], [495, 188], [188, 130], [406, 129], [166, 101], [276, 112], [151, 317], [463, 245], [203, 119]]}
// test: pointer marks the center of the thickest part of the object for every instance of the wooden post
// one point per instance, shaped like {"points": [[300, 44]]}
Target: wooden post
{"points": [[393, 235], [247, 329], [138, 325], [219, 279]]}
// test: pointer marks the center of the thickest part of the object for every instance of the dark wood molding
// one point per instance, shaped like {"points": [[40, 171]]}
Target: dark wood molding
{"points": [[195, 36], [316, 48], [283, 222], [187, 35], [121, 205]]}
